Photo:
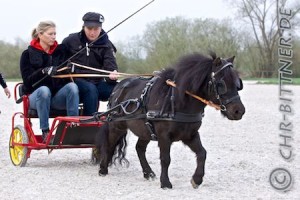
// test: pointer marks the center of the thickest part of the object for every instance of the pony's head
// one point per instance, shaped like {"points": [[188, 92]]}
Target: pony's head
{"points": [[212, 78], [223, 88]]}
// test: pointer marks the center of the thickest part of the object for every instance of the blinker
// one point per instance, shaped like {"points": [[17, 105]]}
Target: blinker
{"points": [[221, 87], [240, 85]]}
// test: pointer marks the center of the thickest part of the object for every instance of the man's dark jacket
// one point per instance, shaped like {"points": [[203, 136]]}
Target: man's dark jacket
{"points": [[100, 55]]}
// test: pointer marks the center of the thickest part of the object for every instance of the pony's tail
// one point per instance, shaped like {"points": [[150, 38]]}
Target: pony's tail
{"points": [[118, 152]]}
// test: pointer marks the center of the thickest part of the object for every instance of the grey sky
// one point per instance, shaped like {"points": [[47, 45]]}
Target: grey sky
{"points": [[18, 18]]}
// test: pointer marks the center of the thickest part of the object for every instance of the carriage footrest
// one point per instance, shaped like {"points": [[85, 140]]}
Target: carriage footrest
{"points": [[74, 135]]}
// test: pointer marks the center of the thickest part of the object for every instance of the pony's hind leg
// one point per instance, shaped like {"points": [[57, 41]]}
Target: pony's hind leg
{"points": [[196, 146], [141, 147], [113, 142], [102, 146]]}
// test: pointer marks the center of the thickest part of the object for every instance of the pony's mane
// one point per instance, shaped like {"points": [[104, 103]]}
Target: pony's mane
{"points": [[192, 71], [189, 73]]}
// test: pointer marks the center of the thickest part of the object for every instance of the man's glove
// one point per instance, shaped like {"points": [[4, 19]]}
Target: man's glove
{"points": [[50, 70]]}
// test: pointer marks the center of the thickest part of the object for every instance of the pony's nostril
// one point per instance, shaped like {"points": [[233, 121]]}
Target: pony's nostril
{"points": [[239, 112]]}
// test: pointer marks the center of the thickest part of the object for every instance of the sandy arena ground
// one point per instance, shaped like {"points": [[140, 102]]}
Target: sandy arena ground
{"points": [[240, 157]]}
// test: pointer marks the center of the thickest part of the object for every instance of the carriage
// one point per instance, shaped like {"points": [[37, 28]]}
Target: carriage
{"points": [[65, 131]]}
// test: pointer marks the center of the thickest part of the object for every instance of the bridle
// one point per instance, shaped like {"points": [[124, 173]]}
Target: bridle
{"points": [[216, 86], [219, 87]]}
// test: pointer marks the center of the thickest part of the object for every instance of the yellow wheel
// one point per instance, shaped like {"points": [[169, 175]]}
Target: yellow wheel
{"points": [[18, 153]]}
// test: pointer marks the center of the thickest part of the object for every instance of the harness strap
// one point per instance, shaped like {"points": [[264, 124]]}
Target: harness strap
{"points": [[231, 99], [150, 128], [126, 117], [177, 117], [229, 64], [155, 116], [143, 97], [163, 108]]}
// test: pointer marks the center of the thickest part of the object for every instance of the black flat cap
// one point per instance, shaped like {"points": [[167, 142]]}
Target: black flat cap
{"points": [[92, 19]]}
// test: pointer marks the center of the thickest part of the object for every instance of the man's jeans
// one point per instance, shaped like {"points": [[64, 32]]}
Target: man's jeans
{"points": [[67, 98], [91, 94]]}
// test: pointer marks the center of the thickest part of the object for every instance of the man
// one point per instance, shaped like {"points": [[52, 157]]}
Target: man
{"points": [[100, 55]]}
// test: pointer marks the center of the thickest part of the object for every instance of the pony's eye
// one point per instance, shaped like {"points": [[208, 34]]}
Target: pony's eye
{"points": [[221, 87]]}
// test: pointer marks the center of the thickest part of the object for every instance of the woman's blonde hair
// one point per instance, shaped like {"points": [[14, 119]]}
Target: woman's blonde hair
{"points": [[41, 28]]}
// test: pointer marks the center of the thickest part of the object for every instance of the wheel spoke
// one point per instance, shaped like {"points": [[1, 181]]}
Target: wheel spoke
{"points": [[19, 148]]}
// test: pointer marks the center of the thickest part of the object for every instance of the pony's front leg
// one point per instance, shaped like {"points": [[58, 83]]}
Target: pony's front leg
{"points": [[196, 146], [165, 160], [141, 147]]}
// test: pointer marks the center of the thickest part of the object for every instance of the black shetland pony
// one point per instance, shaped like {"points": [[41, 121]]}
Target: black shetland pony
{"points": [[155, 110]]}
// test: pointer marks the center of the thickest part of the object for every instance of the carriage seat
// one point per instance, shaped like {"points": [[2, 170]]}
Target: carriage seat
{"points": [[32, 113]]}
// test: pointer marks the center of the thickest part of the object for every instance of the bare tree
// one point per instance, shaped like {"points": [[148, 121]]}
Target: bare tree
{"points": [[263, 16]]}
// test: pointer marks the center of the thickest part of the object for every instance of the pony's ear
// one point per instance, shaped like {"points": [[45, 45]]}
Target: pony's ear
{"points": [[217, 61], [231, 59]]}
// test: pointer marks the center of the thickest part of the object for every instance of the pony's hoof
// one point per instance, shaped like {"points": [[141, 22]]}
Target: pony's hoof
{"points": [[150, 175], [195, 185], [102, 173], [167, 186]]}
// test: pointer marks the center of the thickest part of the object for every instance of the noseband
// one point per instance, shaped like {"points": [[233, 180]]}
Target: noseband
{"points": [[219, 87]]}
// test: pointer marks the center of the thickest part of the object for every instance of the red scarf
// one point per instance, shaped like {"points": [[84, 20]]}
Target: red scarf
{"points": [[36, 44]]}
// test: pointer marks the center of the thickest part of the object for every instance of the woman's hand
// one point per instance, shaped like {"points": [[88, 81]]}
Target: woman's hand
{"points": [[113, 75]]}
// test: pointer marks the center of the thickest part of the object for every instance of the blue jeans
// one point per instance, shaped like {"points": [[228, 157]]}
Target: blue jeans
{"points": [[67, 98], [90, 94]]}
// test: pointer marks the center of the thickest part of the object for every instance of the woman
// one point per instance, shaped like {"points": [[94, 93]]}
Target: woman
{"points": [[37, 64]]}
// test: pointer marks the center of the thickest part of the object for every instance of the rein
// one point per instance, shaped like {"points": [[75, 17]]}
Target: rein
{"points": [[106, 71], [210, 103], [78, 75], [119, 74]]}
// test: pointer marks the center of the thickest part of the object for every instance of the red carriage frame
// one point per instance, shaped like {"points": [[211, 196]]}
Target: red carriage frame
{"points": [[65, 131]]}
